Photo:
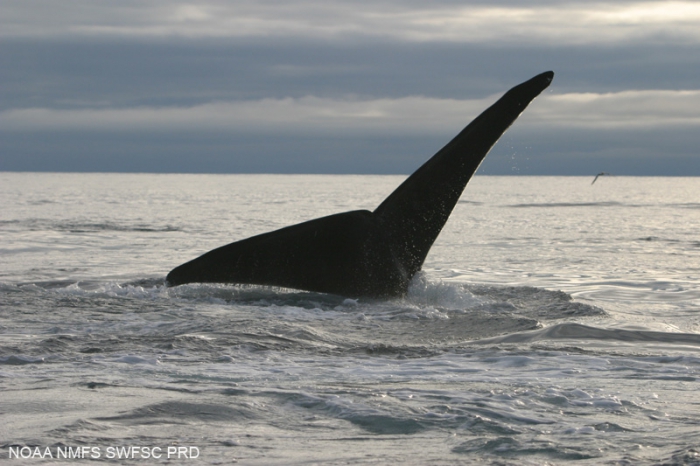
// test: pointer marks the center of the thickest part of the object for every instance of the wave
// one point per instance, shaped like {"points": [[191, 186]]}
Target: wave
{"points": [[84, 227], [425, 299], [434, 316], [20, 360], [679, 205], [574, 204], [577, 331]]}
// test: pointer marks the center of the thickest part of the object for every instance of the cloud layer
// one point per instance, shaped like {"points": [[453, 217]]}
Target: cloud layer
{"points": [[344, 86], [410, 115], [499, 22]]}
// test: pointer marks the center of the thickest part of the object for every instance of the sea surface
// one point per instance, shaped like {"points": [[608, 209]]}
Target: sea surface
{"points": [[555, 322]]}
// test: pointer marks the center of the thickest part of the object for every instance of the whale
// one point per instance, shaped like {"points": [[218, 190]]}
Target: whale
{"points": [[363, 254]]}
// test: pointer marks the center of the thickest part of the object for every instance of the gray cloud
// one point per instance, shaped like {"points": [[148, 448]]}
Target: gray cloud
{"points": [[563, 22], [408, 115], [347, 87]]}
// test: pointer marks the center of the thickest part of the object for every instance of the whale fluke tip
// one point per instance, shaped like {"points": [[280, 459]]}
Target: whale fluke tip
{"points": [[542, 80]]}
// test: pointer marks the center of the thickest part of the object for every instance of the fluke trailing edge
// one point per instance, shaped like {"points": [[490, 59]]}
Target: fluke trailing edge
{"points": [[363, 253]]}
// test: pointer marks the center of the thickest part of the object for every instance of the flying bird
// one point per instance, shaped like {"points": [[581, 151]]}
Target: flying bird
{"points": [[599, 174]]}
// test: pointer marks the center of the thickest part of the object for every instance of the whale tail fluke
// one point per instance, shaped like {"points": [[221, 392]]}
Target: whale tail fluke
{"points": [[362, 253], [415, 213]]}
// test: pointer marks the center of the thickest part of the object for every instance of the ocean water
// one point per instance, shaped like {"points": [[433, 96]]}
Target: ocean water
{"points": [[555, 322]]}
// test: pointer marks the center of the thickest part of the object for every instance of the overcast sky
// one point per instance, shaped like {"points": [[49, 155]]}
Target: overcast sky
{"points": [[375, 86]]}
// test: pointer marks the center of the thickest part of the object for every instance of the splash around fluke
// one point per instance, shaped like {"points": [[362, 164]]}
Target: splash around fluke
{"points": [[362, 253]]}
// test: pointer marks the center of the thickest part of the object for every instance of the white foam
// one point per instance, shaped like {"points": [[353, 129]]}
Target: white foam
{"points": [[424, 293], [134, 359]]}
